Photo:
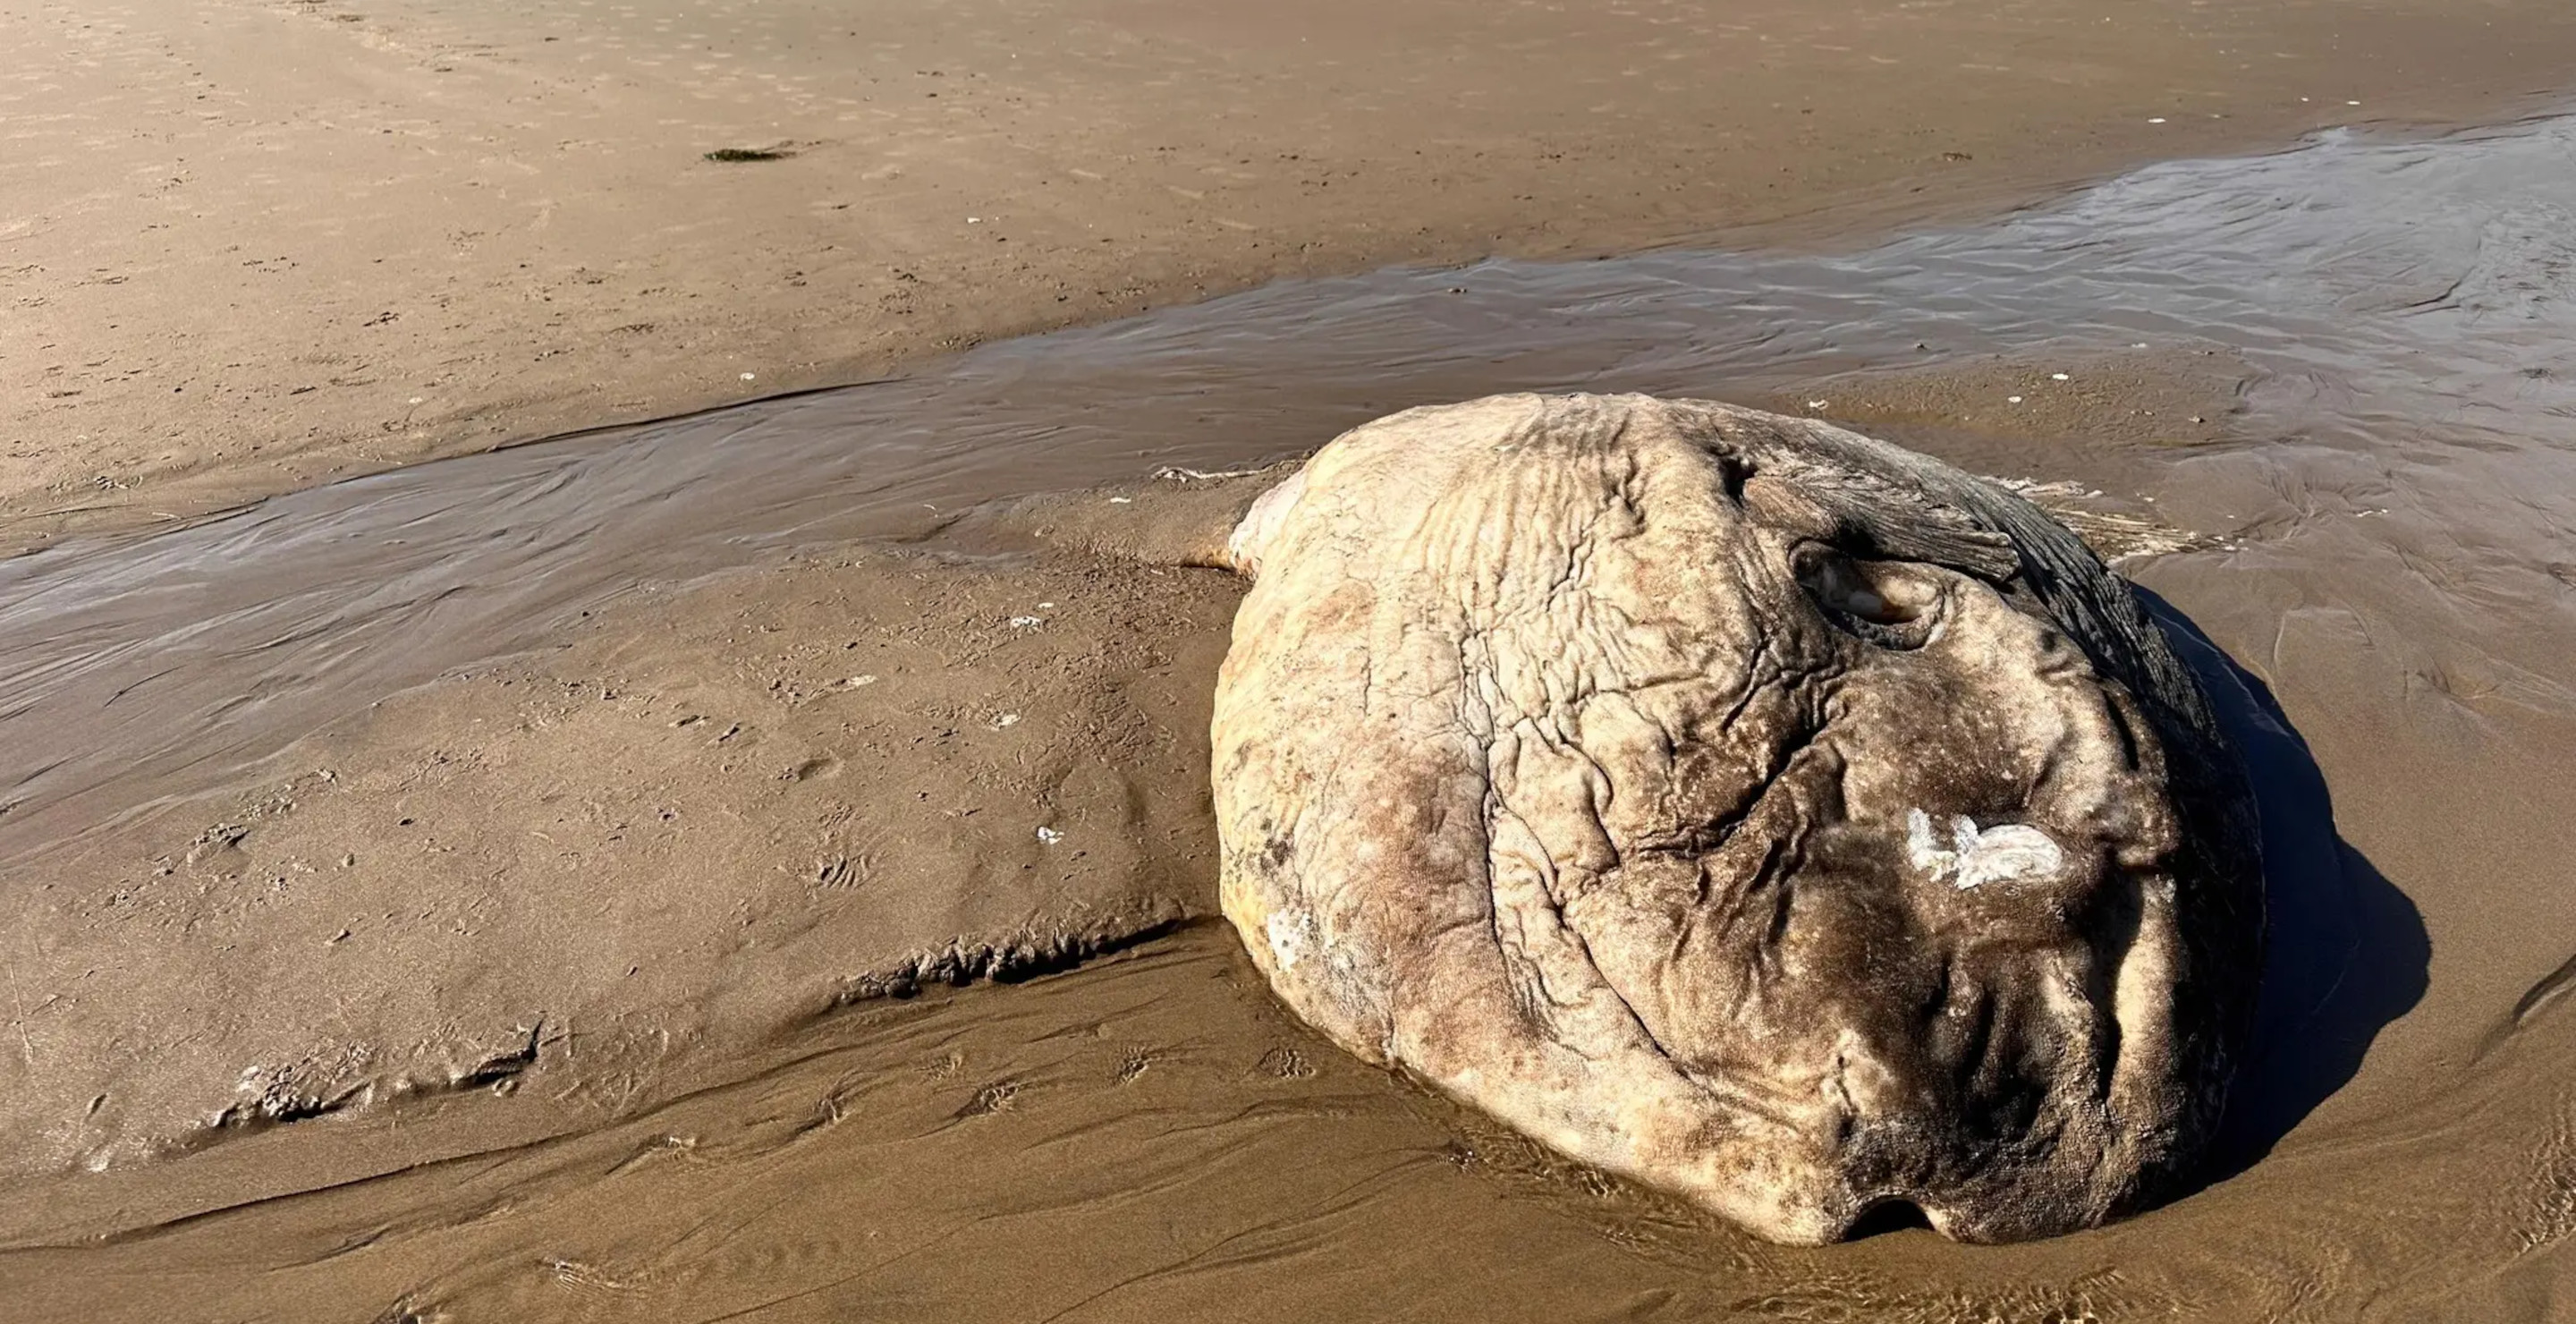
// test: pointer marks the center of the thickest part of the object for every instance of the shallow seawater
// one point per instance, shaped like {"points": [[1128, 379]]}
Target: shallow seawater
{"points": [[2406, 300], [2396, 590]]}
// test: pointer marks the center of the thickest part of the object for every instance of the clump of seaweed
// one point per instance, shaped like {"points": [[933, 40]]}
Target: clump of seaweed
{"points": [[749, 154]]}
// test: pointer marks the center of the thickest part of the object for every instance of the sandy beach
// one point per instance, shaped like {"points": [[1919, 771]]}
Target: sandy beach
{"points": [[759, 864]]}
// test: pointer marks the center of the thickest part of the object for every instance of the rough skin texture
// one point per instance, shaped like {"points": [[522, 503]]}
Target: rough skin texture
{"points": [[1739, 804]]}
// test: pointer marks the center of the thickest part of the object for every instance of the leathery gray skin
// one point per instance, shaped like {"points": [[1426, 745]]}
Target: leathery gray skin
{"points": [[1739, 804]]}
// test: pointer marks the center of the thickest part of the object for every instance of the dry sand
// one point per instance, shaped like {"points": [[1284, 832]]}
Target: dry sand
{"points": [[583, 985]]}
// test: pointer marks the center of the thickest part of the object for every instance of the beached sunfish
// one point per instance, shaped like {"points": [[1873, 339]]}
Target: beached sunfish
{"points": [[1754, 809]]}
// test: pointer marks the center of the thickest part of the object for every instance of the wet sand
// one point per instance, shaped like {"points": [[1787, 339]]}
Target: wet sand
{"points": [[531, 885], [1148, 1138], [246, 247]]}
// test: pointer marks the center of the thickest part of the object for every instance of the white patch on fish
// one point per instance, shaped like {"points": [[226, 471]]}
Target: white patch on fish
{"points": [[2004, 853], [1289, 939]]}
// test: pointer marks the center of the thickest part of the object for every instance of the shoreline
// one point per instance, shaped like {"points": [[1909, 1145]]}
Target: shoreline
{"points": [[661, 280], [217, 494]]}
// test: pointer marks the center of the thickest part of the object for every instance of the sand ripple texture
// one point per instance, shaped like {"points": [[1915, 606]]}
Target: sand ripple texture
{"points": [[2383, 594]]}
